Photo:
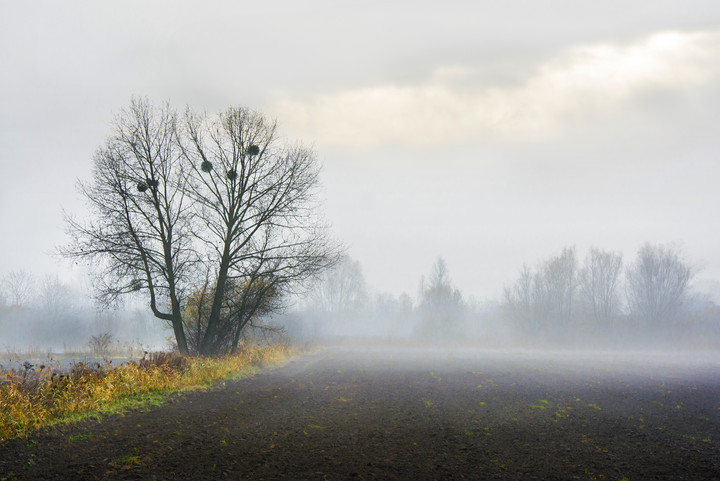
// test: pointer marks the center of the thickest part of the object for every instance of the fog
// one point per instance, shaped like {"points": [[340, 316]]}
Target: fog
{"points": [[47, 317], [571, 302], [536, 366], [595, 303]]}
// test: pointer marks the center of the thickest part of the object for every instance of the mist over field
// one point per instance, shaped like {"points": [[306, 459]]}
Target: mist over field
{"points": [[564, 303], [598, 302], [41, 317]]}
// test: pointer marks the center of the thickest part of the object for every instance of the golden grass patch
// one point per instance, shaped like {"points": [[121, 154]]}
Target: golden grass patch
{"points": [[32, 399]]}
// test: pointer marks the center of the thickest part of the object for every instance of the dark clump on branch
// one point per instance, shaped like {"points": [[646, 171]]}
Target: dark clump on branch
{"points": [[232, 174], [253, 150], [152, 183], [142, 186], [136, 285], [206, 166]]}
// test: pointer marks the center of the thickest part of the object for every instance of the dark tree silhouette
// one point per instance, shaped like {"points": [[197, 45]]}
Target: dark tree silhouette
{"points": [[219, 198], [138, 237]]}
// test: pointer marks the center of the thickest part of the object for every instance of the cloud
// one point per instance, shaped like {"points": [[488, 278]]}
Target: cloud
{"points": [[454, 106]]}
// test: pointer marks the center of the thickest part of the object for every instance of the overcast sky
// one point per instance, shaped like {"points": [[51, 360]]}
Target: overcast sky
{"points": [[489, 133]]}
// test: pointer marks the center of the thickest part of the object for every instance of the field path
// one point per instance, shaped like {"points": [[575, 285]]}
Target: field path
{"points": [[409, 413]]}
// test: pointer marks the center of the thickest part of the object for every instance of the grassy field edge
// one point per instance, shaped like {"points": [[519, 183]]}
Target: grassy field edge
{"points": [[35, 399]]}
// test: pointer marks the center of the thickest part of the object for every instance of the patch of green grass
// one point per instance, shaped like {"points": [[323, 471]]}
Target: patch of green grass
{"points": [[126, 461]]}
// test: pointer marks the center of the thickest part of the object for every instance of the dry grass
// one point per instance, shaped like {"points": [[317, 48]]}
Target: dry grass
{"points": [[32, 399]]}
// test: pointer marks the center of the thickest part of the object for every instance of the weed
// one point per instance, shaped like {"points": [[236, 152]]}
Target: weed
{"points": [[562, 412], [125, 461]]}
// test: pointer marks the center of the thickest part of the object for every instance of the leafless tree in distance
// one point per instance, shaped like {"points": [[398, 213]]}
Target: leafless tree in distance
{"points": [[545, 298], [101, 343], [657, 284], [599, 282], [18, 286], [341, 288], [559, 282], [518, 298], [441, 304]]}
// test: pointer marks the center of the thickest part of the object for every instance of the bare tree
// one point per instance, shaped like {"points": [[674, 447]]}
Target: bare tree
{"points": [[139, 234], [441, 304], [657, 284], [101, 343], [341, 288], [56, 301], [545, 298], [19, 287], [559, 281], [598, 282], [519, 300], [217, 204], [254, 199]]}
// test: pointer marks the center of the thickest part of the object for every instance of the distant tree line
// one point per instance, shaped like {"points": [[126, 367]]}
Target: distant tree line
{"points": [[596, 301], [51, 315], [340, 305], [562, 295]]}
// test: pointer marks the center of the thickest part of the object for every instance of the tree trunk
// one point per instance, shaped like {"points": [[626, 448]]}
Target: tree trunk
{"points": [[209, 346]]}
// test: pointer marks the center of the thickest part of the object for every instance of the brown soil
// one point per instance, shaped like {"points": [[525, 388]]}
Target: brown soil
{"points": [[374, 413]]}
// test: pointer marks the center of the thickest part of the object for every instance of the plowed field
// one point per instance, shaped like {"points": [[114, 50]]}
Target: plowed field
{"points": [[410, 413]]}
